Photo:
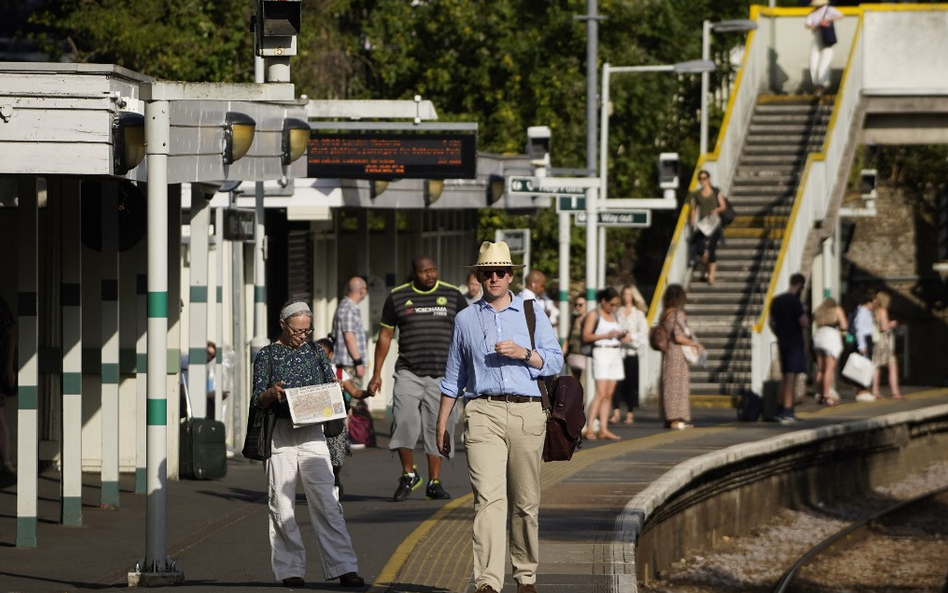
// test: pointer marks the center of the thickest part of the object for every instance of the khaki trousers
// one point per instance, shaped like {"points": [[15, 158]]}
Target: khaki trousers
{"points": [[504, 444]]}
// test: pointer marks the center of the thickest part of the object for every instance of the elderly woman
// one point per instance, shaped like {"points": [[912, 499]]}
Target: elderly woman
{"points": [[293, 361]]}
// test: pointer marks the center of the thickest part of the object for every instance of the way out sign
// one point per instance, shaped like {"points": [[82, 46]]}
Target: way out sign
{"points": [[626, 218]]}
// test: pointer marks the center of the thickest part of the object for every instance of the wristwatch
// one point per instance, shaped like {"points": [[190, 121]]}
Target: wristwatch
{"points": [[526, 357]]}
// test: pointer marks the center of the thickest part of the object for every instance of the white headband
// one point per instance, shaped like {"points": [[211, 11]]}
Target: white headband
{"points": [[294, 308]]}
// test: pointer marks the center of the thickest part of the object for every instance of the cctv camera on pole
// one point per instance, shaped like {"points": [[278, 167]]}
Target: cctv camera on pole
{"points": [[668, 175]]}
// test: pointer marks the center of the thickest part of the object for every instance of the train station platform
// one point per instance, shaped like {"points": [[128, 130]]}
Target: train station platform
{"points": [[217, 530]]}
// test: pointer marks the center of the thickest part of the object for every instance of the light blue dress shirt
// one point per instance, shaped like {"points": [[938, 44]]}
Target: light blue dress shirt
{"points": [[475, 369]]}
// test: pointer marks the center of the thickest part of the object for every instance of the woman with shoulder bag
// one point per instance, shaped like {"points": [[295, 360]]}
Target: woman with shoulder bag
{"points": [[676, 383], [292, 361], [608, 337], [575, 359], [820, 22], [631, 316], [707, 204], [830, 320]]}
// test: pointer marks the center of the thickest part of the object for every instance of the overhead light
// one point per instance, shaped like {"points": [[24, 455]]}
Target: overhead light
{"points": [[694, 67], [239, 129], [376, 187], [128, 141], [734, 26], [295, 140], [433, 189], [495, 188]]}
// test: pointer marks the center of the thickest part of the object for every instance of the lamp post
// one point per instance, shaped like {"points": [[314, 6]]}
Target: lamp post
{"points": [[690, 67], [721, 27]]}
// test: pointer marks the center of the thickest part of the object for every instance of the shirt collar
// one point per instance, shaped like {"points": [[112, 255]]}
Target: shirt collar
{"points": [[516, 303]]}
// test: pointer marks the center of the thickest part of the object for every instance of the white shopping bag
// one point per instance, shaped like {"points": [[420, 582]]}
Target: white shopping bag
{"points": [[859, 369], [314, 404]]}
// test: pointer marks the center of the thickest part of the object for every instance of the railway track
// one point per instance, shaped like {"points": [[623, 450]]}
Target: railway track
{"points": [[903, 547]]}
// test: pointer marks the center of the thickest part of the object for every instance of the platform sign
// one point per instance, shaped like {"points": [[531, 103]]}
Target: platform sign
{"points": [[627, 218], [550, 185]]}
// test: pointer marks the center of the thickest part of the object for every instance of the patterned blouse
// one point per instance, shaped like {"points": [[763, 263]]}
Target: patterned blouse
{"points": [[307, 365]]}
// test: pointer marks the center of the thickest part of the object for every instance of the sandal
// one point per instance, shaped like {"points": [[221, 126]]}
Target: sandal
{"points": [[609, 436], [588, 436], [351, 579], [898, 396], [629, 419]]}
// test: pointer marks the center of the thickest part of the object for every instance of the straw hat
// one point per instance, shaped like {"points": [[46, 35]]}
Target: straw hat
{"points": [[818, 3], [494, 255]]}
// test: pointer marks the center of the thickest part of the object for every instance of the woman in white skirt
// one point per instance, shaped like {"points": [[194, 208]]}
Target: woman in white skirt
{"points": [[607, 338], [830, 321]]}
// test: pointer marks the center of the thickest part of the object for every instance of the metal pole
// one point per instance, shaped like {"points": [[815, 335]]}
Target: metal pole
{"points": [[592, 194], [705, 83], [157, 141], [259, 339]]}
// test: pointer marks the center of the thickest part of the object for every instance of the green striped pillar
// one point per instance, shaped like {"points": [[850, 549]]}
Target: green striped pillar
{"points": [[109, 413], [71, 300], [28, 371]]}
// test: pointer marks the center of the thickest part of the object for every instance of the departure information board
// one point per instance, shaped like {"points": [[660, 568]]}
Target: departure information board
{"points": [[378, 155]]}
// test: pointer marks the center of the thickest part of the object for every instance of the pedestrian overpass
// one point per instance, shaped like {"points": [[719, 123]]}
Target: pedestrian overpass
{"points": [[889, 86]]}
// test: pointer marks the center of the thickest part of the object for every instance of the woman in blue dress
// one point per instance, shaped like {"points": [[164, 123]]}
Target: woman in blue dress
{"points": [[293, 361]]}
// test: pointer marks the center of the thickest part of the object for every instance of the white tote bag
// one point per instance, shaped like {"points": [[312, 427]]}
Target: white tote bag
{"points": [[859, 369]]}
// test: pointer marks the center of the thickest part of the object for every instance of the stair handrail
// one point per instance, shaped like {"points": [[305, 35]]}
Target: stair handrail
{"points": [[818, 183], [721, 164]]}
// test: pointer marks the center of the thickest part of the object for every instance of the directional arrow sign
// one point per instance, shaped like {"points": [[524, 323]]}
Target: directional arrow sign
{"points": [[531, 185], [628, 218]]}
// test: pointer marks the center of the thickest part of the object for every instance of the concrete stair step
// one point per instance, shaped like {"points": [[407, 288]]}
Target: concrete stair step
{"points": [[772, 182], [755, 222]]}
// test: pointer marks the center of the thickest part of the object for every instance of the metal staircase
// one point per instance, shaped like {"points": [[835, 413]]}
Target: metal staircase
{"points": [[782, 132]]}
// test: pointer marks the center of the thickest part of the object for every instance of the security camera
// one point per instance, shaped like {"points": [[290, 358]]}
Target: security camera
{"points": [[867, 184], [538, 149], [668, 170]]}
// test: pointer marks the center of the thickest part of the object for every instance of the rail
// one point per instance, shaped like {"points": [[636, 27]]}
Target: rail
{"points": [[849, 536]]}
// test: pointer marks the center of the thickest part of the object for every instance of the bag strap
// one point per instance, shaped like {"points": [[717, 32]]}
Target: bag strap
{"points": [[531, 315]]}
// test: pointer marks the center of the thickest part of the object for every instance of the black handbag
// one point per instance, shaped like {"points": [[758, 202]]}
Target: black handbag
{"points": [[727, 217], [828, 33], [257, 442]]}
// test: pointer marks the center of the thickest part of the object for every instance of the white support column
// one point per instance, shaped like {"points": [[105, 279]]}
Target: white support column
{"points": [[71, 291], [213, 317], [28, 368], [109, 411], [156, 568], [197, 350], [565, 228]]}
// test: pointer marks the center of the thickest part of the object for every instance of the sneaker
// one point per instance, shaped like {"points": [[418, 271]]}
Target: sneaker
{"points": [[787, 419], [406, 484], [865, 396], [294, 582], [435, 491], [485, 589]]}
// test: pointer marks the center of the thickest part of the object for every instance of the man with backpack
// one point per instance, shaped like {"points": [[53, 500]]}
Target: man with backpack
{"points": [[492, 364]]}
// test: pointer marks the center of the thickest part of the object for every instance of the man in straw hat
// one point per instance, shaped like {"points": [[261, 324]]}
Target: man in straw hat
{"points": [[492, 363], [423, 310]]}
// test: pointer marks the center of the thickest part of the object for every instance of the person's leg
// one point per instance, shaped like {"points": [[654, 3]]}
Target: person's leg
{"points": [[829, 378], [823, 68], [287, 552], [430, 405], [487, 454], [712, 256], [592, 413], [329, 526], [609, 387], [787, 385], [894, 379], [815, 63], [407, 396], [876, 374], [822, 389], [523, 478]]}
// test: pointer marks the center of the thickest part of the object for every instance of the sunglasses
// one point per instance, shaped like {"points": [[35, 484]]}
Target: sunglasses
{"points": [[488, 274]]}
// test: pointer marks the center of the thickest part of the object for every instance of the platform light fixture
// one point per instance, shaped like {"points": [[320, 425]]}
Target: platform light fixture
{"points": [[496, 185], [128, 141], [433, 190], [239, 129], [376, 187], [295, 140]]}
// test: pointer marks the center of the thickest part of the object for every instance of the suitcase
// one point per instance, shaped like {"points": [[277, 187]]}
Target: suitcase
{"points": [[203, 449]]}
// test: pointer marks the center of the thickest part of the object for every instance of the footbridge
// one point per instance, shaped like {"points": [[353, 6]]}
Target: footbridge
{"points": [[784, 157]]}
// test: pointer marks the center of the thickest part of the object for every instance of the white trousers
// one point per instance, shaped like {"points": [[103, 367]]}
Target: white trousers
{"points": [[303, 452], [820, 59]]}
